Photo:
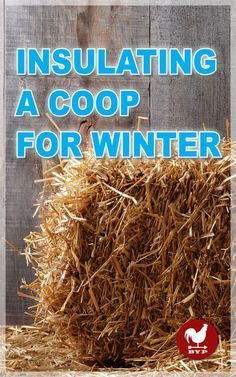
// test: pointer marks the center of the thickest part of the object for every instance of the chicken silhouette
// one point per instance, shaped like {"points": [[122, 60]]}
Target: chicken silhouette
{"points": [[196, 336], [85, 127]]}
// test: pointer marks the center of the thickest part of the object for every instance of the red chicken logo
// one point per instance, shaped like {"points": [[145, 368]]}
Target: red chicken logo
{"points": [[197, 339]]}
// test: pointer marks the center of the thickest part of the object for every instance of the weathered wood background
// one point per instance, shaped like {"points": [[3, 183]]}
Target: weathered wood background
{"points": [[169, 102]]}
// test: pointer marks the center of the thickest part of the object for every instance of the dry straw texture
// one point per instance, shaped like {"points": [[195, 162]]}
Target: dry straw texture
{"points": [[127, 251], [38, 349]]}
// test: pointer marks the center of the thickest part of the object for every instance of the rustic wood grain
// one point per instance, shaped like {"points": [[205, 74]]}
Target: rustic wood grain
{"points": [[176, 102], [2, 187], [185, 102]]}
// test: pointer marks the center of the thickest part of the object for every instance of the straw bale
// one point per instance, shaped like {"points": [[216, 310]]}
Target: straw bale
{"points": [[129, 250]]}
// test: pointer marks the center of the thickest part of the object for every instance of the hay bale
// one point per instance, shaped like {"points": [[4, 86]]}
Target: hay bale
{"points": [[128, 250]]}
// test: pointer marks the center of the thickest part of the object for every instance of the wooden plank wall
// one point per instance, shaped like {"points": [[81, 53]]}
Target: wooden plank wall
{"points": [[169, 102], [188, 101]]}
